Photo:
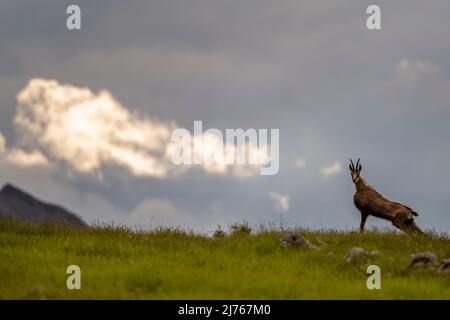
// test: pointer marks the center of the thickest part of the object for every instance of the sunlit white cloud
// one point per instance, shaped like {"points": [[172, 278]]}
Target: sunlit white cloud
{"points": [[332, 169], [22, 158], [87, 131], [280, 202]]}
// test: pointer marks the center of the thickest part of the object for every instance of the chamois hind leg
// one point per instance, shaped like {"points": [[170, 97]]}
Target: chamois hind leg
{"points": [[363, 222], [406, 225], [399, 224], [411, 226]]}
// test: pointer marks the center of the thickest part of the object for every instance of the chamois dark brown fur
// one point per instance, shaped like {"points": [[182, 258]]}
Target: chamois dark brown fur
{"points": [[371, 203]]}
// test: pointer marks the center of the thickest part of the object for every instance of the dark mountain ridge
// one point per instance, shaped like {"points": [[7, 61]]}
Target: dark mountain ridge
{"points": [[20, 205]]}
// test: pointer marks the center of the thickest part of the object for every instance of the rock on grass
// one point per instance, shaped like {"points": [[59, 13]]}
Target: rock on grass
{"points": [[422, 259], [359, 253], [295, 239], [444, 266]]}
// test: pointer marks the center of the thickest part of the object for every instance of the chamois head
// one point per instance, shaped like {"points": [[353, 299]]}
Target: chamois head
{"points": [[355, 170]]}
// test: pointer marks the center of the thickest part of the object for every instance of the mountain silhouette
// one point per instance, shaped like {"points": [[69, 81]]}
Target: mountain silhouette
{"points": [[15, 203]]}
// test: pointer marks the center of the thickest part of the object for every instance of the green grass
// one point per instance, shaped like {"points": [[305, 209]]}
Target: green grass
{"points": [[117, 263]]}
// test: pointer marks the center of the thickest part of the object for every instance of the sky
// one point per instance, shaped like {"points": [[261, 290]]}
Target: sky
{"points": [[86, 115]]}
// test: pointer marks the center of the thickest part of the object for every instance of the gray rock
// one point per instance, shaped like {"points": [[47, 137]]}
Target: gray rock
{"points": [[422, 259], [295, 239], [359, 253], [444, 266]]}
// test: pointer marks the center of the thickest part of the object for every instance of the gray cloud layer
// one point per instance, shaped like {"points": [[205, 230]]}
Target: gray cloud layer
{"points": [[312, 69]]}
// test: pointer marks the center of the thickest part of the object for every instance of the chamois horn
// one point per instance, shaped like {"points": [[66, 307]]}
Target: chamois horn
{"points": [[358, 166], [351, 165]]}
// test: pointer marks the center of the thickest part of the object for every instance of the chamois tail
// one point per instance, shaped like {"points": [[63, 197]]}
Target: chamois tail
{"points": [[415, 214]]}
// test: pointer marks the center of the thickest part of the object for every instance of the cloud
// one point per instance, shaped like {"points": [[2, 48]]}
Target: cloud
{"points": [[88, 131], [411, 70], [331, 169], [21, 158], [280, 202], [300, 163], [153, 213], [211, 150]]}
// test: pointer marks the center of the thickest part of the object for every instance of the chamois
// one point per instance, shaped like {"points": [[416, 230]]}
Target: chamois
{"points": [[369, 202]]}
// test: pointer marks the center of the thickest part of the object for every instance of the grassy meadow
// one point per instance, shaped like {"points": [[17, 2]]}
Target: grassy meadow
{"points": [[117, 263]]}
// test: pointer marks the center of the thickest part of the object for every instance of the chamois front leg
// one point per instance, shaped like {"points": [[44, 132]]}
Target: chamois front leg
{"points": [[363, 222]]}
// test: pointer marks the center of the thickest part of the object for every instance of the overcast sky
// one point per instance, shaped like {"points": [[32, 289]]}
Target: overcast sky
{"points": [[138, 69]]}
